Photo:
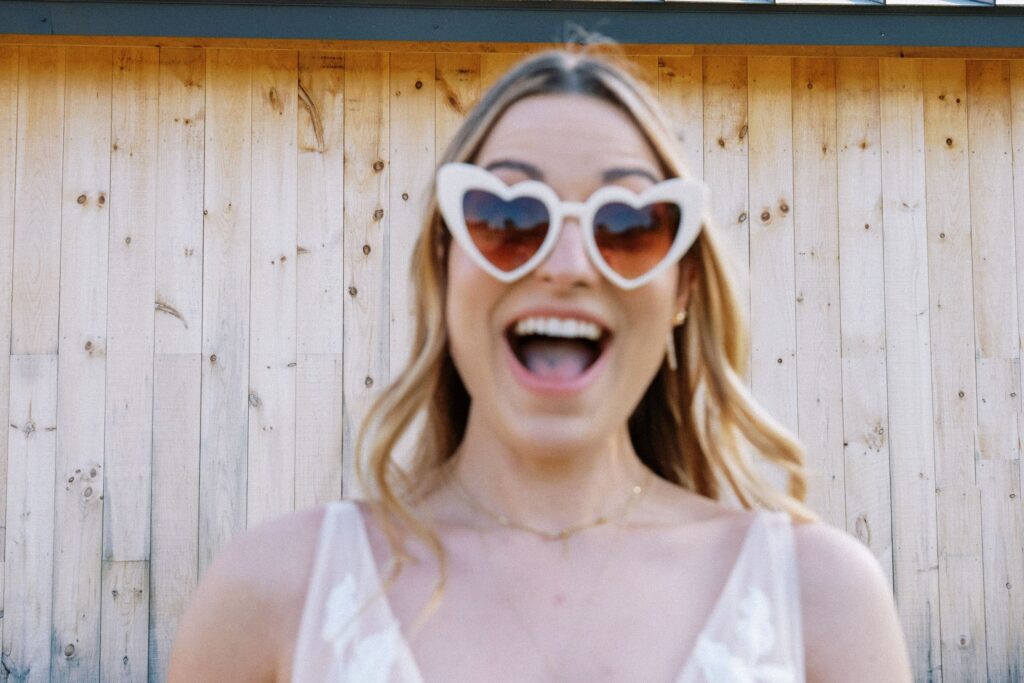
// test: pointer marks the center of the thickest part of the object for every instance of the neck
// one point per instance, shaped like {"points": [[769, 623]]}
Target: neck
{"points": [[551, 489]]}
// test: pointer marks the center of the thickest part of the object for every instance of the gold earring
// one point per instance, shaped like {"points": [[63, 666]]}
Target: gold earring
{"points": [[679, 318]]}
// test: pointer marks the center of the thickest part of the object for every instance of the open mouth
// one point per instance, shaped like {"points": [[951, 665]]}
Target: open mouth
{"points": [[556, 349]]}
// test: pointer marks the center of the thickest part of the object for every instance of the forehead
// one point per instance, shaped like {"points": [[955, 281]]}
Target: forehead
{"points": [[569, 137]]}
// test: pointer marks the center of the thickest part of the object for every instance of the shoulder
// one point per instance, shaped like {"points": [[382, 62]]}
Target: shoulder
{"points": [[850, 626], [248, 603]]}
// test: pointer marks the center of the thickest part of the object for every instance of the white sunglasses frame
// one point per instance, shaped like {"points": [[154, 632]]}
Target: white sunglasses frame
{"points": [[455, 179]]}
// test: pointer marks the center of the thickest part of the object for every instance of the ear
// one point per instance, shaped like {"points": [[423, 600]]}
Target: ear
{"points": [[687, 281]]}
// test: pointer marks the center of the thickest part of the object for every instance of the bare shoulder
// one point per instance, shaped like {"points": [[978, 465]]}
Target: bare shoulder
{"points": [[240, 621], [851, 629]]}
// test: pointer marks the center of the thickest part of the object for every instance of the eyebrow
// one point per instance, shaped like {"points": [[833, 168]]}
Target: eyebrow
{"points": [[608, 176]]}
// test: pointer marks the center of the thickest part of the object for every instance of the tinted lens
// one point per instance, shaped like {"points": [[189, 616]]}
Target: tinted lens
{"points": [[506, 233], [633, 241]]}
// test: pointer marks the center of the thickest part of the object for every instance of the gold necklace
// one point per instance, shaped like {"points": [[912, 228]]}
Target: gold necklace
{"points": [[636, 492], [563, 535]]}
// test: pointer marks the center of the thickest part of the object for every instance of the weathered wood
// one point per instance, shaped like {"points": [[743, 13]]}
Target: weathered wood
{"points": [[816, 240], [130, 308], [412, 179], [908, 361], [366, 247], [225, 382], [179, 216], [128, 432], [81, 364], [37, 200], [998, 362], [773, 371], [726, 164], [177, 340], [681, 96], [457, 89], [320, 276], [125, 605], [8, 154], [271, 476], [862, 304], [28, 555], [958, 508], [645, 69]]}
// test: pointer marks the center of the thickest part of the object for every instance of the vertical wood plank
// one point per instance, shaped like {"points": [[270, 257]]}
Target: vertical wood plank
{"points": [[457, 90], [1013, 487], [726, 163], [998, 362], [8, 154], [773, 372], [412, 136], [816, 237], [177, 340], [681, 95], [862, 304], [366, 247], [28, 555], [35, 308], [81, 364], [225, 402], [125, 602], [908, 361], [320, 282], [130, 311], [412, 174], [271, 478], [179, 216], [961, 591], [494, 65]]}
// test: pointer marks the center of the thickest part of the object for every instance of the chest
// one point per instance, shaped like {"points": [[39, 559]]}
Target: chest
{"points": [[634, 612]]}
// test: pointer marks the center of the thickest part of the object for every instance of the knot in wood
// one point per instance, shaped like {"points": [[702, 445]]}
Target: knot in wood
{"points": [[419, 85], [366, 249], [69, 650], [254, 400], [81, 199], [378, 214], [378, 166], [87, 492], [88, 346], [352, 291], [405, 196], [765, 216], [368, 381], [103, 199], [213, 358], [29, 427], [784, 207], [742, 218], [949, 142]]}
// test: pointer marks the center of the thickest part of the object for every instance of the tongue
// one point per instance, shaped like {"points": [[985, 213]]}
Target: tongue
{"points": [[558, 359]]}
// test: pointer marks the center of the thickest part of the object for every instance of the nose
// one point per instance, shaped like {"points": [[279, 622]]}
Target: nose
{"points": [[568, 264]]}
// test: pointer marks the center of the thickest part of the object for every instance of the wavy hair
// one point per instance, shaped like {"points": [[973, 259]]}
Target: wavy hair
{"points": [[697, 426]]}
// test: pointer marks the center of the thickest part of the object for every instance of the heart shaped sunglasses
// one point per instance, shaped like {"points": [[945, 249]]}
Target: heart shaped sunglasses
{"points": [[509, 231]]}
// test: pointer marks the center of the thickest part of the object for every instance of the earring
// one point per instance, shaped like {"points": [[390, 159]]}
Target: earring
{"points": [[679, 318]]}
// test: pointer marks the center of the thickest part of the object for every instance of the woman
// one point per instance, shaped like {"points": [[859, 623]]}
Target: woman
{"points": [[577, 357]]}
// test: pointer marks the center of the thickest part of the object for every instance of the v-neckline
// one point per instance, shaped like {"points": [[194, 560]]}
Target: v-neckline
{"points": [[727, 588]]}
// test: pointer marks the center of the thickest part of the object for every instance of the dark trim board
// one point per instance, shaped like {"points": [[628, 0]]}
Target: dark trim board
{"points": [[524, 21]]}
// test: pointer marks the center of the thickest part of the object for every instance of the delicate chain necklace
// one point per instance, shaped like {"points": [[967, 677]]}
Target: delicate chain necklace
{"points": [[636, 492]]}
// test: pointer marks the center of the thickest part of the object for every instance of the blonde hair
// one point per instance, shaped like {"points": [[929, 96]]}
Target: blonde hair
{"points": [[693, 426]]}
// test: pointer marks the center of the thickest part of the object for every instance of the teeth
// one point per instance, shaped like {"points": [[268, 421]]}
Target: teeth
{"points": [[559, 327]]}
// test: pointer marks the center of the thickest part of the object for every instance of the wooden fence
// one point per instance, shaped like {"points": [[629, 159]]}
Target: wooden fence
{"points": [[203, 276]]}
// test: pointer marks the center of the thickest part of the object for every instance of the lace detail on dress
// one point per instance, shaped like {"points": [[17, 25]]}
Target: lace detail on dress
{"points": [[753, 639]]}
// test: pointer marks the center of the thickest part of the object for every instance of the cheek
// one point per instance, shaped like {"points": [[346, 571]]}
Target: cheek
{"points": [[470, 302]]}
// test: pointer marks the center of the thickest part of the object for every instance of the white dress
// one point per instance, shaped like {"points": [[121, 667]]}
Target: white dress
{"points": [[349, 633]]}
